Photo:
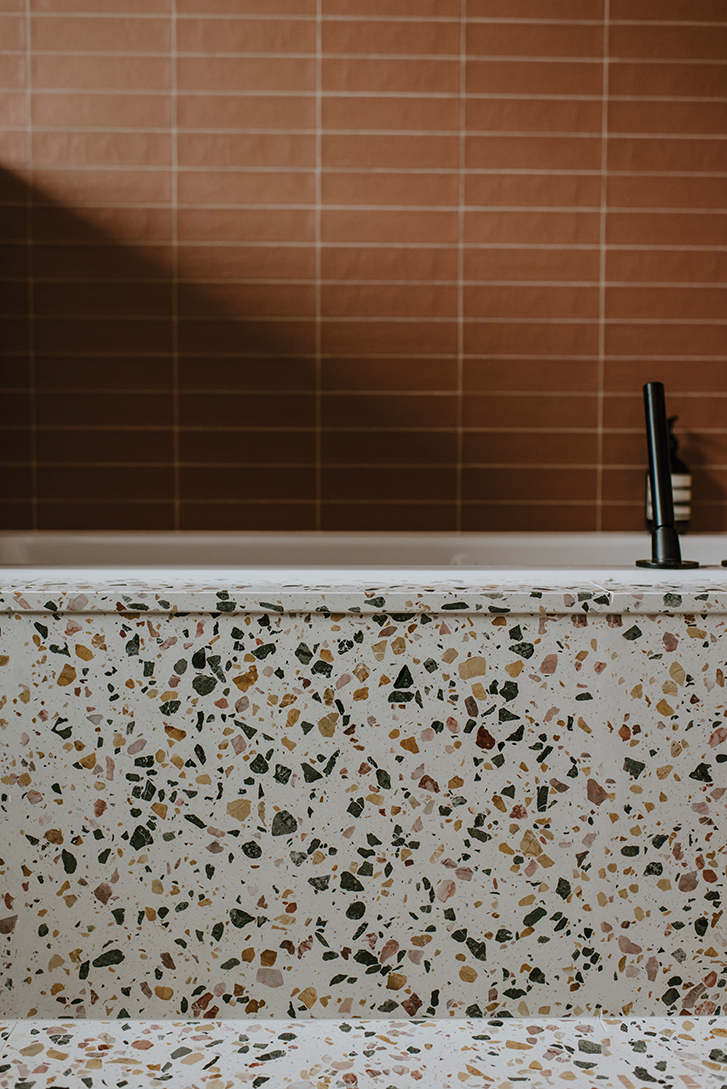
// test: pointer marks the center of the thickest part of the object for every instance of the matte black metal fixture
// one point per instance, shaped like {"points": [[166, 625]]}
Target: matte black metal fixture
{"points": [[665, 549]]}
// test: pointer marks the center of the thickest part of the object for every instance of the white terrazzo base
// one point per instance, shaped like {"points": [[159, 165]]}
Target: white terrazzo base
{"points": [[539, 1052]]}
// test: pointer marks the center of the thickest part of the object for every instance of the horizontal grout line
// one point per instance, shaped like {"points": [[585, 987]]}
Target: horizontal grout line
{"points": [[329, 429], [647, 98], [370, 318], [336, 465], [424, 171], [475, 96], [373, 465], [286, 465], [242, 430], [302, 391], [451, 208], [308, 356], [192, 391], [687, 394], [474, 357], [291, 244], [442, 57], [399, 395], [621, 248], [197, 280], [711, 503], [664, 321], [665, 173], [640, 466], [44, 501], [451, 133], [681, 358], [398, 132], [260, 17], [448, 58], [666, 135], [218, 54], [665, 22], [423, 133], [336, 319]]}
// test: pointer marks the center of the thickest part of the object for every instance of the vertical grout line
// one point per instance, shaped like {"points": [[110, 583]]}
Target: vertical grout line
{"points": [[175, 268], [602, 273], [29, 206], [460, 252], [318, 376]]}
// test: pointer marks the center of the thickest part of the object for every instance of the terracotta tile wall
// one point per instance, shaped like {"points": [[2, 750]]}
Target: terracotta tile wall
{"points": [[349, 264]]}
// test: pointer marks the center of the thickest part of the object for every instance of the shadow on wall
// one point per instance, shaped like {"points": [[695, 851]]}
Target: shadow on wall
{"points": [[132, 399]]}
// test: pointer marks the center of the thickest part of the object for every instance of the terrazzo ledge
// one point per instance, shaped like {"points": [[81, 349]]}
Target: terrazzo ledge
{"points": [[549, 592]]}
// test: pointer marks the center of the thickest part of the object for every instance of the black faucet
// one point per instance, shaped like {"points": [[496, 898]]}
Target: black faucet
{"points": [[665, 550]]}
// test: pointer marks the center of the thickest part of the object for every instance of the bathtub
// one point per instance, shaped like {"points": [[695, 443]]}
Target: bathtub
{"points": [[458, 795], [342, 550]]}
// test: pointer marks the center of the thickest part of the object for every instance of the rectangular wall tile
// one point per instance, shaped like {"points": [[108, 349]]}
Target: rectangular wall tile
{"points": [[425, 226], [377, 375], [533, 115], [244, 36], [100, 73], [390, 300], [74, 109], [669, 41], [230, 112], [88, 34], [533, 152], [356, 188], [537, 375], [248, 74], [534, 39], [517, 76], [412, 448], [420, 263], [404, 75], [397, 37]]}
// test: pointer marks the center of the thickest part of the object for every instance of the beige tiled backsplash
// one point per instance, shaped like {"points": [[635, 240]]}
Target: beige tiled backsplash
{"points": [[358, 264]]}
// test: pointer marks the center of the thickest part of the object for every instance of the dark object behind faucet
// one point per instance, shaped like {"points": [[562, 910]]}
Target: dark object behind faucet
{"points": [[681, 486], [665, 549]]}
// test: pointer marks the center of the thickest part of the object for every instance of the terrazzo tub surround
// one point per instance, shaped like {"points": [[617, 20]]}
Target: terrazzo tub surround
{"points": [[309, 797]]}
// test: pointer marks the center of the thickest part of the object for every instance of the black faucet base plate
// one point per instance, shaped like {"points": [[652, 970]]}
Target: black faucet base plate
{"points": [[667, 565]]}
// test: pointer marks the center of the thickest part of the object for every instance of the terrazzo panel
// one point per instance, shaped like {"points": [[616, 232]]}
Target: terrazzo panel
{"points": [[444, 812], [432, 1054]]}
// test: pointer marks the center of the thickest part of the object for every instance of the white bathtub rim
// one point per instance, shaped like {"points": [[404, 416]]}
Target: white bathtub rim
{"points": [[323, 551]]}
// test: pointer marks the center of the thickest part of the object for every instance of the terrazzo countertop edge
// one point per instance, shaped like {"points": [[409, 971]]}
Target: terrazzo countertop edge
{"points": [[366, 594]]}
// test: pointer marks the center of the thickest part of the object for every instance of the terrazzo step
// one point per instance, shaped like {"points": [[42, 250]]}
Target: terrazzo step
{"points": [[689, 1053]]}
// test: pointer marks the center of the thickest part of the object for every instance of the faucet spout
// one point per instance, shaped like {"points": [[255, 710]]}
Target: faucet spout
{"points": [[665, 549]]}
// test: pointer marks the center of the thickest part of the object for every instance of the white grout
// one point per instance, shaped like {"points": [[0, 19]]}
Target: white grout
{"points": [[475, 96], [267, 17]]}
